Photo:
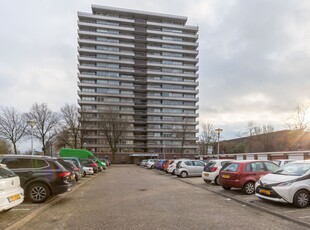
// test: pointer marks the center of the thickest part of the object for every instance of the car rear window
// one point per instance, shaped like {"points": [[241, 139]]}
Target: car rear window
{"points": [[85, 161], [209, 166], [66, 165], [231, 167], [4, 173], [224, 163]]}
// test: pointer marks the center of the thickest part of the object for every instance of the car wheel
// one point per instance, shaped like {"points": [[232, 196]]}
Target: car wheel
{"points": [[249, 188], [183, 174], [217, 180], [301, 199], [207, 181], [38, 192], [173, 172], [226, 187], [84, 173]]}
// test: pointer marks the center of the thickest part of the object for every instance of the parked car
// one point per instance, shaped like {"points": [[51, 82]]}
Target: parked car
{"points": [[164, 165], [156, 164], [107, 163], [167, 165], [243, 174], [289, 184], [185, 168], [143, 162], [88, 170], [171, 168], [159, 164], [90, 163], [82, 153], [40, 176], [283, 162], [11, 193], [76, 162], [211, 170], [75, 169], [150, 163]]}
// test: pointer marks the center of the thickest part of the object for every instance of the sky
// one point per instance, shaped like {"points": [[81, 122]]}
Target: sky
{"points": [[254, 56]]}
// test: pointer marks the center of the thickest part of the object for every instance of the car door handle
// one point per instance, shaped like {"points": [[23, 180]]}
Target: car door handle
{"points": [[30, 172]]}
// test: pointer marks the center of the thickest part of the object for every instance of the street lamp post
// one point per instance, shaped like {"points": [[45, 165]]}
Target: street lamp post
{"points": [[164, 151], [31, 123], [218, 131]]}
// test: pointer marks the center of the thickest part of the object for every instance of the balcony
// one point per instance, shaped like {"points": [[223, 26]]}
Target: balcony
{"points": [[182, 43], [96, 42], [183, 35], [112, 27]]}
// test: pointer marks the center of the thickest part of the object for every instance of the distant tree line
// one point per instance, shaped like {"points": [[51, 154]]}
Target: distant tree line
{"points": [[41, 122], [257, 137], [65, 128]]}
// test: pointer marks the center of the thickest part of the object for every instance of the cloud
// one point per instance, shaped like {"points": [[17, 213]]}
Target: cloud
{"points": [[253, 55]]}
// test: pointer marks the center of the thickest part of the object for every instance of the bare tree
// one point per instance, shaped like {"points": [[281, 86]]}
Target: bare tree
{"points": [[62, 139], [207, 137], [70, 118], [12, 126], [4, 147], [267, 137], [252, 131], [46, 123], [183, 134], [298, 119], [113, 127], [82, 127]]}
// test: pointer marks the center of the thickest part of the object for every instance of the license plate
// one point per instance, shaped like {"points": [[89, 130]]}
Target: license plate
{"points": [[226, 176], [13, 198], [206, 174], [263, 191]]}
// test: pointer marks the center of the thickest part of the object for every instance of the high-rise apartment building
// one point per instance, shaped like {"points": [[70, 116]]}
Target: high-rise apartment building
{"points": [[144, 65]]}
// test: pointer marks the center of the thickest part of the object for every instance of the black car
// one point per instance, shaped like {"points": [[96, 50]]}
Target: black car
{"points": [[73, 167], [40, 176]]}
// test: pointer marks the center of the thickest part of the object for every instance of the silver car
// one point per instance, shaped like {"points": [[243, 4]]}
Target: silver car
{"points": [[185, 168]]}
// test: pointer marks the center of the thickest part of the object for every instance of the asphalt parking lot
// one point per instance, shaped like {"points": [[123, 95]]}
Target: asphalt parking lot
{"points": [[283, 210], [27, 208], [287, 212]]}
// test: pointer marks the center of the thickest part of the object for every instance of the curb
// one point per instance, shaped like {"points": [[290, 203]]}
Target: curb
{"points": [[50, 203], [300, 222]]}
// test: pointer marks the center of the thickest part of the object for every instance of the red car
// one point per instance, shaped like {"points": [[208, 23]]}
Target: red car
{"points": [[244, 173]]}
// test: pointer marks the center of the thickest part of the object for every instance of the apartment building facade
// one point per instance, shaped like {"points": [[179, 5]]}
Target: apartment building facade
{"points": [[145, 66]]}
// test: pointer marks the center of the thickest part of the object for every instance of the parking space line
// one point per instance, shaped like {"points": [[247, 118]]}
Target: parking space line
{"points": [[291, 211], [18, 224], [21, 209], [304, 217]]}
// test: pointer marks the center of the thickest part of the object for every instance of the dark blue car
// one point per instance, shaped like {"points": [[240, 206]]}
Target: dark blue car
{"points": [[159, 165]]}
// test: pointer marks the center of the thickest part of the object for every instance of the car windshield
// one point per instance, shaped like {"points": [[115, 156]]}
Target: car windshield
{"points": [[4, 173], [293, 169]]}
